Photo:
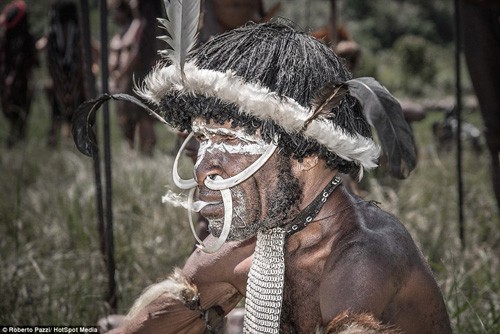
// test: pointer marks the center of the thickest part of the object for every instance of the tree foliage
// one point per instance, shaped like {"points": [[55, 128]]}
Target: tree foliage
{"points": [[384, 21]]}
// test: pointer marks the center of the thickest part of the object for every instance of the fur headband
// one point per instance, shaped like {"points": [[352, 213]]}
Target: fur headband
{"points": [[257, 101]]}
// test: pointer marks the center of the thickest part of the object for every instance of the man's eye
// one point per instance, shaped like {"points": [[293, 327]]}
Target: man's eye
{"points": [[231, 139], [201, 137]]}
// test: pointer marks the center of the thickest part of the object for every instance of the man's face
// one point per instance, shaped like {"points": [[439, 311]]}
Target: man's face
{"points": [[265, 200]]}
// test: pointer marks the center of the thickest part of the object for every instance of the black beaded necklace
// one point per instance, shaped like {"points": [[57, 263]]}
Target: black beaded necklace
{"points": [[307, 215]]}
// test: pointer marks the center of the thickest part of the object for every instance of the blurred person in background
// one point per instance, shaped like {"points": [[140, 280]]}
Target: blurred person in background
{"points": [[481, 40], [65, 62], [133, 54], [17, 61]]}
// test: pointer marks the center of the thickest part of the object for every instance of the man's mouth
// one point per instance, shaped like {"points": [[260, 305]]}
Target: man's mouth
{"points": [[209, 203], [210, 209]]}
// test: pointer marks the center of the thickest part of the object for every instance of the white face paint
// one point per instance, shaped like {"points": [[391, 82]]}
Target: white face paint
{"points": [[224, 141], [240, 217], [233, 142]]}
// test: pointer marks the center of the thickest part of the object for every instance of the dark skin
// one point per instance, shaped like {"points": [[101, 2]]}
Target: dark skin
{"points": [[361, 260], [354, 256]]}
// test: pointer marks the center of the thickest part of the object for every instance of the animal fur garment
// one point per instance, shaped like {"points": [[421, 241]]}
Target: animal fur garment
{"points": [[175, 287], [349, 323], [169, 307]]}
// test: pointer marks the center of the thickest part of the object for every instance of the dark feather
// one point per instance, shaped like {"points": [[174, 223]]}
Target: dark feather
{"points": [[84, 120], [384, 113], [328, 98]]}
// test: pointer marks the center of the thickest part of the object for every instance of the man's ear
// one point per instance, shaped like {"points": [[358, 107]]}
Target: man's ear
{"points": [[308, 163]]}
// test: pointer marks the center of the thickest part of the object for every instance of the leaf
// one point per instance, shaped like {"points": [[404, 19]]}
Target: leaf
{"points": [[384, 113]]}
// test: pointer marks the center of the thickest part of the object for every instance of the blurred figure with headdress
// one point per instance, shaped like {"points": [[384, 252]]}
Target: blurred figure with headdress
{"points": [[65, 63], [17, 60]]}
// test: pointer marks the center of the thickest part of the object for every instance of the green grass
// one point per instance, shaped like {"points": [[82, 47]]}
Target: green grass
{"points": [[53, 273], [52, 269]]}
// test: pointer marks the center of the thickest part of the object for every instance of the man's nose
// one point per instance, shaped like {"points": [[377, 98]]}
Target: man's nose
{"points": [[207, 165]]}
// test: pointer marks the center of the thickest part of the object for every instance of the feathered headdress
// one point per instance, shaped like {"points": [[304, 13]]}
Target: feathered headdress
{"points": [[273, 74], [285, 82]]}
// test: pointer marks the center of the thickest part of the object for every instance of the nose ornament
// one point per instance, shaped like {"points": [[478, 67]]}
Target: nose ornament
{"points": [[220, 183]]}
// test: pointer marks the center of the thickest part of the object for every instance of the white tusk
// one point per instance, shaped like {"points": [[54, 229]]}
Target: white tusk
{"points": [[191, 223], [228, 217], [221, 184], [181, 183]]}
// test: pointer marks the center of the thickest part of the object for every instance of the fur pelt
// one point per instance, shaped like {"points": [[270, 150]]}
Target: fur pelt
{"points": [[176, 286], [350, 323]]}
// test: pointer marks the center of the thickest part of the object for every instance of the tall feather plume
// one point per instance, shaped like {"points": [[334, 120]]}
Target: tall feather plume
{"points": [[181, 25], [328, 98], [384, 113]]}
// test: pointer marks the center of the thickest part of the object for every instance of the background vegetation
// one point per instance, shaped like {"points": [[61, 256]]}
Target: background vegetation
{"points": [[51, 268]]}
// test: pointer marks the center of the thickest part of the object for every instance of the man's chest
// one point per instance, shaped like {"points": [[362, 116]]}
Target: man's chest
{"points": [[301, 311]]}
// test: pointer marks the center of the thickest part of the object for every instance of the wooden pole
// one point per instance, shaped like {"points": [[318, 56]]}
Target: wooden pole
{"points": [[112, 299], [91, 93], [332, 27], [458, 114]]}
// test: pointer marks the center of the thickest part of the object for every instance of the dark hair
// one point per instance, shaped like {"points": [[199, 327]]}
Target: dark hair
{"points": [[64, 11]]}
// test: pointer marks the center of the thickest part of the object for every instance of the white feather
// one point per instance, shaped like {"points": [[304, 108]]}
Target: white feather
{"points": [[181, 24]]}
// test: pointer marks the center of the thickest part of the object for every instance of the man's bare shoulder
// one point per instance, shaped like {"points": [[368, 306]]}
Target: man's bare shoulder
{"points": [[369, 233], [370, 247], [374, 266]]}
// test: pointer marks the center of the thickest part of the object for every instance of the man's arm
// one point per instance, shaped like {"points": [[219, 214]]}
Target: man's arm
{"points": [[230, 264], [196, 297]]}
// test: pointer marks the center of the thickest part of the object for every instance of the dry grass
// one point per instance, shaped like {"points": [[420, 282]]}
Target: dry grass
{"points": [[52, 271]]}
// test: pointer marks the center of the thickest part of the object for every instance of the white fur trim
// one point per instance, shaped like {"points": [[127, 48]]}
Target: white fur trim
{"points": [[259, 102]]}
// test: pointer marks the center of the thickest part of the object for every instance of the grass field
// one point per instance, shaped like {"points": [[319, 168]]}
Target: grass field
{"points": [[52, 271]]}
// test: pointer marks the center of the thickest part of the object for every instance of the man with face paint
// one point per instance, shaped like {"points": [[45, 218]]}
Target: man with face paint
{"points": [[256, 203], [278, 117]]}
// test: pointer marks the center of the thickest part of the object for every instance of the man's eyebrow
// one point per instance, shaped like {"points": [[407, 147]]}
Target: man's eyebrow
{"points": [[215, 131]]}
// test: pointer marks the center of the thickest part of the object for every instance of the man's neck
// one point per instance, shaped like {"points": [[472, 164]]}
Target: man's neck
{"points": [[314, 180]]}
